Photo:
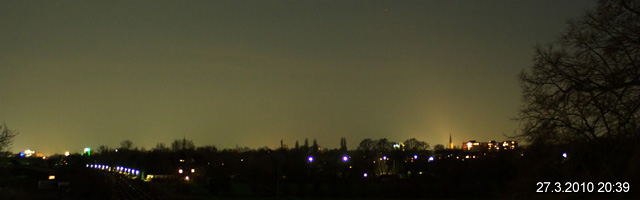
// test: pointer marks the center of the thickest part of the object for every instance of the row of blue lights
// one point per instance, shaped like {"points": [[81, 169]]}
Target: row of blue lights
{"points": [[119, 169]]}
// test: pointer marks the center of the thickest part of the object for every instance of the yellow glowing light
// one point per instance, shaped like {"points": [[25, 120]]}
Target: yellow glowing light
{"points": [[469, 145], [180, 171], [52, 177], [66, 153], [186, 178], [193, 170]]}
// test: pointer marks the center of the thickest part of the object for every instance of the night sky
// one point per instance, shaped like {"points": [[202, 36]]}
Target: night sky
{"points": [[250, 73]]}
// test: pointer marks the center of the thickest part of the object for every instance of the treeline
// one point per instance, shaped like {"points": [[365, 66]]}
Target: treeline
{"points": [[163, 159]]}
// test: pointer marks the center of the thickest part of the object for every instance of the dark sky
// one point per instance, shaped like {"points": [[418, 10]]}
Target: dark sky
{"points": [[249, 73]]}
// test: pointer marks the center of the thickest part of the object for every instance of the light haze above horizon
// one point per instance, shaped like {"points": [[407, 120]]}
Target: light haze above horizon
{"points": [[77, 74]]}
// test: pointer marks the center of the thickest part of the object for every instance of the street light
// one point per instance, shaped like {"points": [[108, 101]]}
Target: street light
{"points": [[310, 158], [87, 150], [345, 158]]}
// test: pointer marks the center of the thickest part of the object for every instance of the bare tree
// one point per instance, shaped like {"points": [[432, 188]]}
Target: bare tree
{"points": [[383, 145], [414, 144], [104, 149], [161, 147], [126, 144], [587, 89], [183, 144], [6, 137], [366, 145], [343, 144], [583, 92]]}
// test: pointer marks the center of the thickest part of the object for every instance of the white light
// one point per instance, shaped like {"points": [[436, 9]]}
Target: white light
{"points": [[384, 157], [186, 178], [365, 175], [137, 172], [193, 170], [431, 158], [564, 155], [415, 157], [345, 158], [310, 158], [180, 171]]}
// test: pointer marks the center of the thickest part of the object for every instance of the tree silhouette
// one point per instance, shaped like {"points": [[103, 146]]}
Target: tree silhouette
{"points": [[414, 144], [366, 145], [584, 94], [183, 144], [315, 146], [103, 149], [343, 144], [383, 145], [6, 137], [126, 144], [588, 88], [161, 147]]}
